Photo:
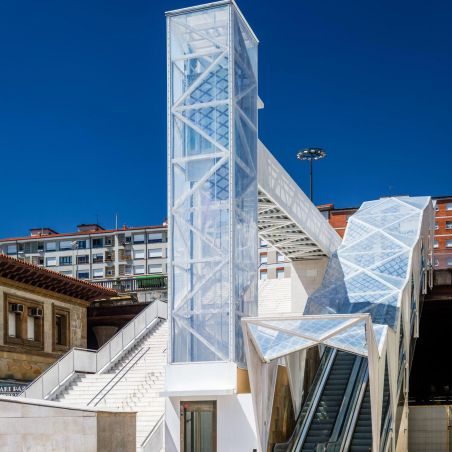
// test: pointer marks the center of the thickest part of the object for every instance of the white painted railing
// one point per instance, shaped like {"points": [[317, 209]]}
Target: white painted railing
{"points": [[92, 361], [154, 441]]}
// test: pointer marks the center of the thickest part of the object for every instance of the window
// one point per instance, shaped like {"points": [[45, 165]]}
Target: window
{"points": [[263, 275], [138, 254], [263, 258], [84, 259], [34, 325], [61, 329], [98, 258], [449, 262], [83, 275], [81, 244], [449, 243], [50, 246], [280, 257], [449, 206], [98, 243], [11, 249], [138, 269], [51, 261], [155, 268], [40, 247], [138, 239], [155, 237], [155, 252], [98, 272], [24, 322], [435, 244], [110, 272], [279, 273], [263, 243], [66, 245], [66, 272], [436, 207], [108, 241], [448, 224], [436, 226], [435, 262], [64, 260]]}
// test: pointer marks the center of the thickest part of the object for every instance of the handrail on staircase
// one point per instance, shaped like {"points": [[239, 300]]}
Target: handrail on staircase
{"points": [[95, 361], [154, 439], [120, 375]]}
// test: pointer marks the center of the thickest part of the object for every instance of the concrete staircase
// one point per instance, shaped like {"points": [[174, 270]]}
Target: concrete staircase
{"points": [[132, 384]]}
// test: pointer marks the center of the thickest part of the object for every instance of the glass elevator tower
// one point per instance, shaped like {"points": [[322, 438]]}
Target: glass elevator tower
{"points": [[212, 181]]}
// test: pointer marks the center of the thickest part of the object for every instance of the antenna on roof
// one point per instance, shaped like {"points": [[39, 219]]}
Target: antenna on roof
{"points": [[116, 220]]}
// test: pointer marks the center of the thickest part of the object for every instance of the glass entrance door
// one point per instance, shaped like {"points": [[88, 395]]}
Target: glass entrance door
{"points": [[198, 426]]}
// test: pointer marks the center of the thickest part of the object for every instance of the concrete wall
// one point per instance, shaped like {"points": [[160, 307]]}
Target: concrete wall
{"points": [[429, 428], [41, 426], [23, 363], [306, 277], [236, 429]]}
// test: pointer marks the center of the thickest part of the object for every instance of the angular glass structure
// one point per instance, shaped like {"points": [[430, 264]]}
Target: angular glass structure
{"points": [[212, 181]]}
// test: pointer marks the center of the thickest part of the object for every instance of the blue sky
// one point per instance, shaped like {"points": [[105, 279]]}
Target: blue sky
{"points": [[83, 103]]}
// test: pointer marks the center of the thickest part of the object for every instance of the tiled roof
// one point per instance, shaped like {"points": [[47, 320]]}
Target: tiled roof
{"points": [[26, 273]]}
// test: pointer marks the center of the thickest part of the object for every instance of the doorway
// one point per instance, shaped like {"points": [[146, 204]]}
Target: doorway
{"points": [[198, 426]]}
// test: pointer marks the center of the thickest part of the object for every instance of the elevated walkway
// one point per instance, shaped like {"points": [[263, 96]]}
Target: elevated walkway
{"points": [[368, 309], [287, 219]]}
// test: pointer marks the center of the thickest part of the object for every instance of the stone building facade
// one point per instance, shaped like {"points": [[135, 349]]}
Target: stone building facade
{"points": [[43, 314]]}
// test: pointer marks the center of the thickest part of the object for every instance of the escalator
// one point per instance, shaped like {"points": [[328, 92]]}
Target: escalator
{"points": [[320, 420], [362, 436]]}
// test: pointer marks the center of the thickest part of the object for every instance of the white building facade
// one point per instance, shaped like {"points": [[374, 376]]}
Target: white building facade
{"points": [[93, 253]]}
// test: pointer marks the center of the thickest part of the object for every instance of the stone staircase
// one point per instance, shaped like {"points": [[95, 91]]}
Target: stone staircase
{"points": [[134, 383]]}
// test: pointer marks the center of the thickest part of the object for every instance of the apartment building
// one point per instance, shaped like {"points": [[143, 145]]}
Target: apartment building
{"points": [[272, 264], [94, 253], [442, 245]]}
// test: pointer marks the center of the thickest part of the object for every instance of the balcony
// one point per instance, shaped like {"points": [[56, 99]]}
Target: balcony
{"points": [[141, 283]]}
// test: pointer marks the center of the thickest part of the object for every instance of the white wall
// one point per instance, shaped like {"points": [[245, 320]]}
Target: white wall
{"points": [[236, 429], [306, 277]]}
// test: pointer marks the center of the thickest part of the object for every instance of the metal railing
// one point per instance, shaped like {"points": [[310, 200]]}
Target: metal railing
{"points": [[92, 361], [134, 284], [154, 439], [118, 377]]}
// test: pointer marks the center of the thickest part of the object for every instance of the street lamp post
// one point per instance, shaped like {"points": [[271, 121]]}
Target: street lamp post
{"points": [[311, 154]]}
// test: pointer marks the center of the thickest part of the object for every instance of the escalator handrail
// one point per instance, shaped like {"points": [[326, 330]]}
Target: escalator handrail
{"points": [[318, 391], [350, 424], [349, 410], [326, 362]]}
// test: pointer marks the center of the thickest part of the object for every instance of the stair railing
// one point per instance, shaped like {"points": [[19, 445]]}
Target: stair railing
{"points": [[154, 439], [80, 360], [105, 390]]}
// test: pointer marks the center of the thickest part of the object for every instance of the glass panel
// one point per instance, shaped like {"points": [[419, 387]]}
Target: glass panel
{"points": [[372, 265], [213, 183], [312, 328], [352, 339], [273, 343]]}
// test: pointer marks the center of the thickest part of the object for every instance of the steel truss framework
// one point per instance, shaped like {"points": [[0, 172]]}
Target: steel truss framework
{"points": [[368, 305], [212, 109], [278, 229]]}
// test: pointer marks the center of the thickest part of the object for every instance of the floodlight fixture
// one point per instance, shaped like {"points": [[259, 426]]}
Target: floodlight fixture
{"points": [[311, 154]]}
